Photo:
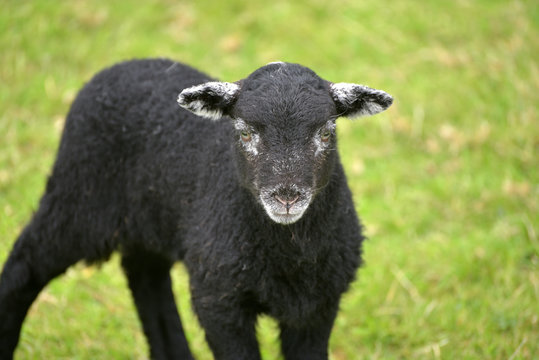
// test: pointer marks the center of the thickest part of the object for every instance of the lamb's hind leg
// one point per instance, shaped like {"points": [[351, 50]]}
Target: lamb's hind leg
{"points": [[19, 286], [45, 249], [148, 275]]}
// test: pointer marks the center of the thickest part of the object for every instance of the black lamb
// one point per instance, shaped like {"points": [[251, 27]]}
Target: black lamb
{"points": [[255, 203]]}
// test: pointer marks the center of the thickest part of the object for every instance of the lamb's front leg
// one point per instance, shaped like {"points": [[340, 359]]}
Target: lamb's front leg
{"points": [[229, 327], [307, 341]]}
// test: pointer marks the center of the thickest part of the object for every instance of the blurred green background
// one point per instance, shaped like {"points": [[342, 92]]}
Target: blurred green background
{"points": [[446, 181]]}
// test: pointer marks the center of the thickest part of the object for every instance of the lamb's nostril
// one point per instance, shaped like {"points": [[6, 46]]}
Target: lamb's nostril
{"points": [[287, 198]]}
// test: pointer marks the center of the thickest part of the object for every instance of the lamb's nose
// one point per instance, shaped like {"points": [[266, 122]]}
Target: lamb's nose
{"points": [[287, 198]]}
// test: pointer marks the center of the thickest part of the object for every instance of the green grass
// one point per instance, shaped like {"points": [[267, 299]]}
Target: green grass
{"points": [[446, 181]]}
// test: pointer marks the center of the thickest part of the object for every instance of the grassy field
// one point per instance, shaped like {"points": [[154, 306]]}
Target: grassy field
{"points": [[446, 181]]}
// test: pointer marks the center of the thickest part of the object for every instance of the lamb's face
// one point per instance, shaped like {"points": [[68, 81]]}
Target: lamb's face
{"points": [[284, 130], [284, 167], [285, 139]]}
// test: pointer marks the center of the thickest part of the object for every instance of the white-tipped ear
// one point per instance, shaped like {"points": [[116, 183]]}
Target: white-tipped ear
{"points": [[353, 100], [211, 100]]}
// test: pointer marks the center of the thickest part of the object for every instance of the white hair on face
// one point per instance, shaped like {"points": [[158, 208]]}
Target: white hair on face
{"points": [[277, 211], [346, 93], [225, 90], [250, 146], [284, 165], [320, 145]]}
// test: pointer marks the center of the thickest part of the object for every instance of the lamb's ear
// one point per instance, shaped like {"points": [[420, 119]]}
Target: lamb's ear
{"points": [[354, 100], [211, 100]]}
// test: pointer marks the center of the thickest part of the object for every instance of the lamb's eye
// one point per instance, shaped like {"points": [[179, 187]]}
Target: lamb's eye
{"points": [[245, 136], [325, 135]]}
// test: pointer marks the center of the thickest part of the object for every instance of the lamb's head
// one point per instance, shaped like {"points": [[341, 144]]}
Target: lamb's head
{"points": [[284, 118]]}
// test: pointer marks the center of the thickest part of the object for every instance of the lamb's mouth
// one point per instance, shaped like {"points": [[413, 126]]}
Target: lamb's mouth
{"points": [[285, 209], [284, 219]]}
